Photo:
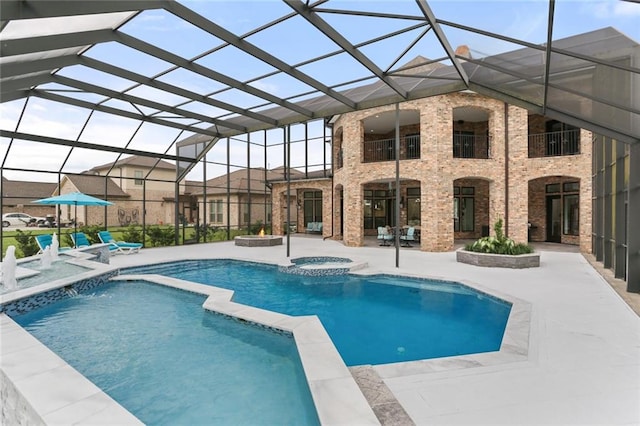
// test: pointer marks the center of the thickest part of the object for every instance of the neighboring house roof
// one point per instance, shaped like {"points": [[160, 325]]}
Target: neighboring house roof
{"points": [[239, 184], [16, 192], [94, 185], [137, 161], [191, 187], [298, 175]]}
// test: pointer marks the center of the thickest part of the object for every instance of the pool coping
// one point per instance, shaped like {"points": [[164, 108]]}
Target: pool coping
{"points": [[337, 397]]}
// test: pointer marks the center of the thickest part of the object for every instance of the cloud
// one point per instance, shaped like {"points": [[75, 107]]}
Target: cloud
{"points": [[611, 9], [626, 9]]}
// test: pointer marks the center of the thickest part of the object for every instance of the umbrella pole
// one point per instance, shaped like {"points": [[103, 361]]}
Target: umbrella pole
{"points": [[75, 227]]}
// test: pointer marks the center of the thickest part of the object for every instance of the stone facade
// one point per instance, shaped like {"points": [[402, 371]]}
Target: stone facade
{"points": [[509, 189]]}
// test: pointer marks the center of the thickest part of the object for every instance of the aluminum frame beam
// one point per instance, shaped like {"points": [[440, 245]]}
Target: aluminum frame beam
{"points": [[92, 88], [346, 46], [119, 112], [223, 34], [86, 145], [32, 9], [180, 62]]}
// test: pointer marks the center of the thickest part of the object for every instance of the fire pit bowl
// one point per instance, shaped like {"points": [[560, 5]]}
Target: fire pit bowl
{"points": [[258, 241]]}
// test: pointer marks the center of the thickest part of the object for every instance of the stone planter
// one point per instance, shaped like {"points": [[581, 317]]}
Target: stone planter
{"points": [[531, 260]]}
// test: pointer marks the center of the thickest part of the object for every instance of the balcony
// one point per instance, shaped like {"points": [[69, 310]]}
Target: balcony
{"points": [[552, 144], [384, 149], [467, 145]]}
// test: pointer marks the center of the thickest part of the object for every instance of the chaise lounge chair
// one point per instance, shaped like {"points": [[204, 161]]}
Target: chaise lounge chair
{"points": [[80, 239], [45, 240], [118, 246]]}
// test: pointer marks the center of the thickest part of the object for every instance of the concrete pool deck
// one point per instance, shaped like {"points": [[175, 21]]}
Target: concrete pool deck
{"points": [[583, 360]]}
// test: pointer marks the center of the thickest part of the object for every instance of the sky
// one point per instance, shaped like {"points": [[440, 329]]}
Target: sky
{"points": [[291, 42]]}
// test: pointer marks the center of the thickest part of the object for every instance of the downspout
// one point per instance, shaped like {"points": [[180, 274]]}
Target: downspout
{"points": [[506, 170]]}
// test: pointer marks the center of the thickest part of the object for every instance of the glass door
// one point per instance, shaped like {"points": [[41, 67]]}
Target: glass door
{"points": [[554, 219]]}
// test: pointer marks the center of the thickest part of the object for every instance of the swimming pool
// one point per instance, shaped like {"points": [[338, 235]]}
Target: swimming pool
{"points": [[159, 354], [36, 274], [371, 319]]}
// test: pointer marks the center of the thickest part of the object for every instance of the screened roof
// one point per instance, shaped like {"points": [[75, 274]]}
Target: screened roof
{"points": [[201, 71]]}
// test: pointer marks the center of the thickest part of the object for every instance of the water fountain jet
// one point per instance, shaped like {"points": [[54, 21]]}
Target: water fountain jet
{"points": [[45, 260], [9, 265]]}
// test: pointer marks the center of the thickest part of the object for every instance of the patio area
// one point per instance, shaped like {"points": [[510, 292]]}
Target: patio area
{"points": [[582, 365]]}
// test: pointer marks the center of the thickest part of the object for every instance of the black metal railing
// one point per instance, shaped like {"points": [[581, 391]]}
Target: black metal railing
{"points": [[384, 149], [470, 146], [551, 144]]}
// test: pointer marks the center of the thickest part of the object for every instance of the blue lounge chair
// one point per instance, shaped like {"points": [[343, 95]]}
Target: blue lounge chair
{"points": [[80, 240], [118, 246], [45, 241]]}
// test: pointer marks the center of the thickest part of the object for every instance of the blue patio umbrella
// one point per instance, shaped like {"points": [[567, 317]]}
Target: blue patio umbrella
{"points": [[74, 199]]}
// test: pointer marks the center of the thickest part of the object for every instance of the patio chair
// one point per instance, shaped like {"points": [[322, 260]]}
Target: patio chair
{"points": [[80, 239], [408, 237], [45, 240], [118, 246], [384, 235]]}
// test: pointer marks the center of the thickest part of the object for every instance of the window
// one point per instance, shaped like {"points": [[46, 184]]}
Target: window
{"points": [[571, 208], [215, 211], [552, 188], [413, 206], [138, 177], [567, 194], [312, 206], [375, 209], [463, 144], [245, 215], [571, 214], [463, 209]]}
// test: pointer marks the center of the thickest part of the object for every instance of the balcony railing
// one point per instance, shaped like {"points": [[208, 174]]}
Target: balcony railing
{"points": [[470, 146], [550, 144], [384, 149]]}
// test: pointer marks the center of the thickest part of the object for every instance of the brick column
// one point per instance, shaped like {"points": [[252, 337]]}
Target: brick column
{"points": [[518, 184]]}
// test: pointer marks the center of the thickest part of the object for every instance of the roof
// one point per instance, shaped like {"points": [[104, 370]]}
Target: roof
{"points": [[95, 186], [239, 182], [138, 161], [16, 192], [83, 55]]}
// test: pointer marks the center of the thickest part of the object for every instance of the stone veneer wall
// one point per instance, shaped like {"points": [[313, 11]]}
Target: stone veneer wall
{"points": [[15, 410], [436, 170], [279, 197]]}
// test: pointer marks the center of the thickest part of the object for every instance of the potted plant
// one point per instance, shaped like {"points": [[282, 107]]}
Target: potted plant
{"points": [[498, 251]]}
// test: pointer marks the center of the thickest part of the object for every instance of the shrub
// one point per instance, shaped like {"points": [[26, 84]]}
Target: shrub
{"points": [[499, 244], [133, 234], [26, 243], [160, 236]]}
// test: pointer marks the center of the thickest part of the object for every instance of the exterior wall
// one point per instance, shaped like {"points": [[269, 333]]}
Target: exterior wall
{"points": [[502, 187], [154, 192], [538, 208], [236, 209], [279, 209]]}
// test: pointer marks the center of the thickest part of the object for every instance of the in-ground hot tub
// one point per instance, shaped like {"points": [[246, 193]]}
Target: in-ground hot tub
{"points": [[258, 240]]}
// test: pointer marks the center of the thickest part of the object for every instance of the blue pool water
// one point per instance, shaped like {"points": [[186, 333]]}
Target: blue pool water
{"points": [[371, 320], [158, 353]]}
